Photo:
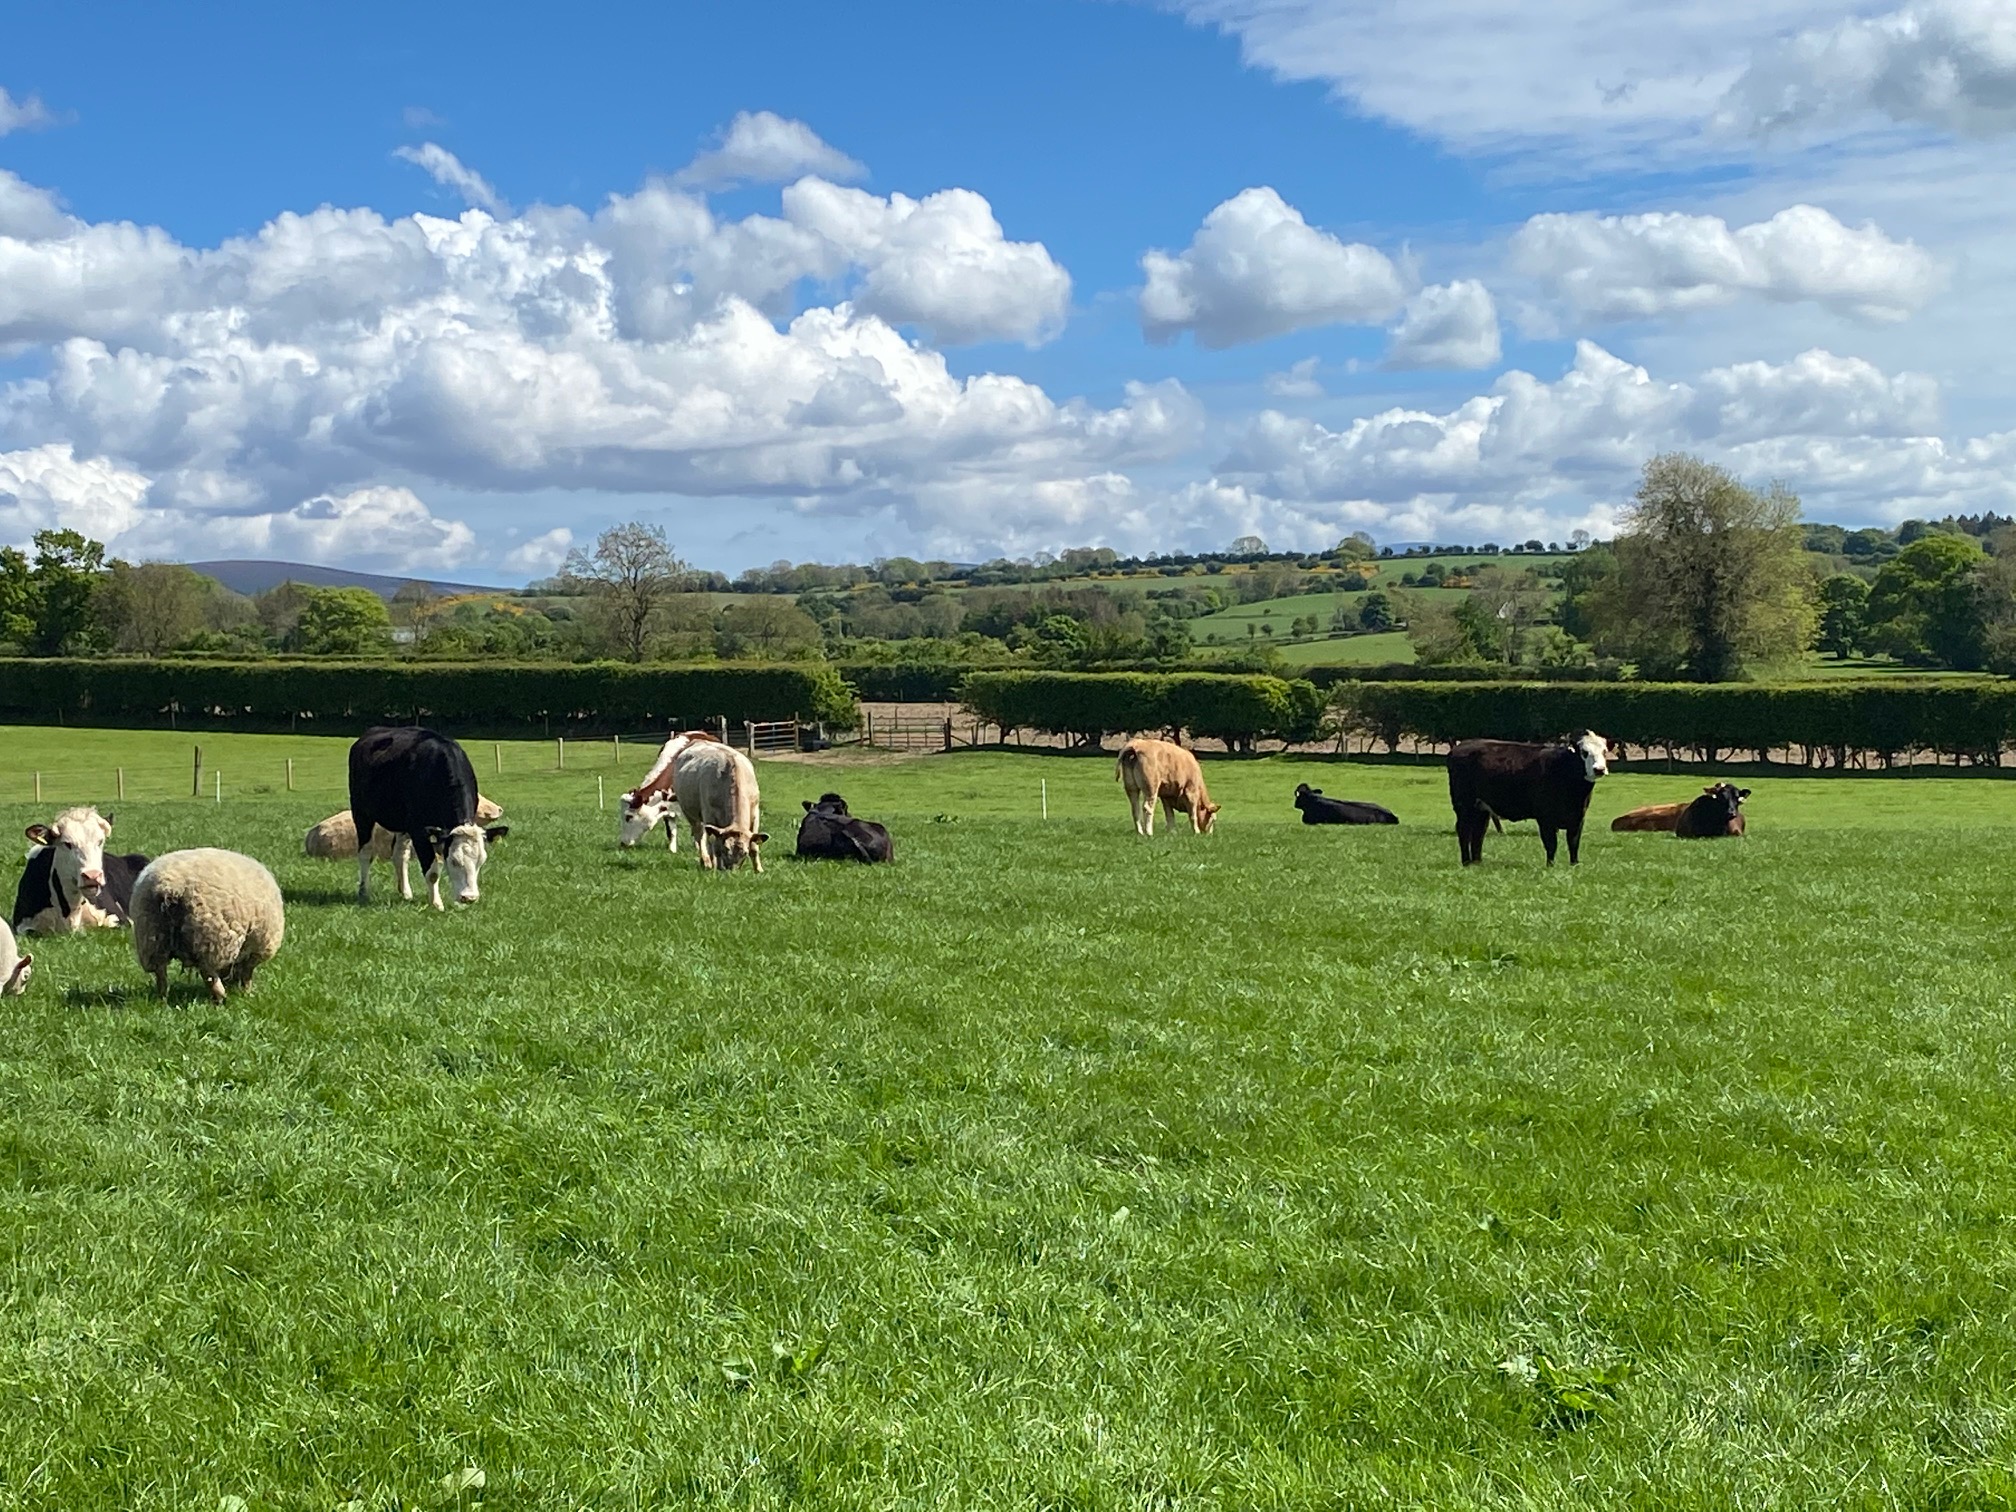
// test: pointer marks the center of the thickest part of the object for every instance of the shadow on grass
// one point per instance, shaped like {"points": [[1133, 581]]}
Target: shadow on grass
{"points": [[321, 897], [129, 995]]}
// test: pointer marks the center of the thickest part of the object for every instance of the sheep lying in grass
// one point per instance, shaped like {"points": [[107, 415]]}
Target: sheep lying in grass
{"points": [[335, 839], [15, 968], [215, 911]]}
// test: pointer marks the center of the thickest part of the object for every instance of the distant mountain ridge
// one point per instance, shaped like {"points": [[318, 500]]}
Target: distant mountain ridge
{"points": [[256, 577]]}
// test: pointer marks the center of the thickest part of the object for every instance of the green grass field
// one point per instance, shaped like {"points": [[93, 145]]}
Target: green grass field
{"points": [[1047, 1168]]}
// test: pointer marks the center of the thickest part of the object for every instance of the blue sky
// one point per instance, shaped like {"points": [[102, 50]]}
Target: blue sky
{"points": [[444, 289]]}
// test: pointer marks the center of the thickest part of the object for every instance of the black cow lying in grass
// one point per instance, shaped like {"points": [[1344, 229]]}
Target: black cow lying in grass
{"points": [[1716, 813], [1316, 809], [829, 833]]}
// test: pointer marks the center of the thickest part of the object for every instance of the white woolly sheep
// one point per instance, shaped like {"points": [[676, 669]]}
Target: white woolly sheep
{"points": [[335, 839], [15, 968], [215, 911]]}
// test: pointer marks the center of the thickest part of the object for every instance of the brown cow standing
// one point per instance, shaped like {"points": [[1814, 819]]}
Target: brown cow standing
{"points": [[1717, 813], [1155, 770]]}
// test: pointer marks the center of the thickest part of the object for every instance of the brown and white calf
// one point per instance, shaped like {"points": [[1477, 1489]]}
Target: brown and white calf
{"points": [[71, 884], [718, 796], [1155, 771], [653, 802]]}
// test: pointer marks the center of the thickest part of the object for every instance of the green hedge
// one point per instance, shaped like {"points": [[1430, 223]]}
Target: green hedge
{"points": [[900, 682], [1824, 721], [1330, 675], [1235, 709], [340, 697]]}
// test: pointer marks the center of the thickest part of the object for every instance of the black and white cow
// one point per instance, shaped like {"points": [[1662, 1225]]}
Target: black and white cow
{"points": [[1316, 809], [414, 782], [1505, 779], [829, 833], [71, 884]]}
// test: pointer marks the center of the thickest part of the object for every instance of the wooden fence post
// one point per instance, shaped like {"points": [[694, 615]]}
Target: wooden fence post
{"points": [[196, 781], [948, 734], [561, 742], [497, 752], [38, 788], [290, 774], [122, 783]]}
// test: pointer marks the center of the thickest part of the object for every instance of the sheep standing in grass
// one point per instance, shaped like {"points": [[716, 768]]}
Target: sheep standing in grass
{"points": [[215, 911], [15, 968]]}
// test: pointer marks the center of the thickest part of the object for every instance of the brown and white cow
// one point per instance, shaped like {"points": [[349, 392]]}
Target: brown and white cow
{"points": [[653, 801], [1650, 818], [1155, 771], [716, 786], [71, 884]]}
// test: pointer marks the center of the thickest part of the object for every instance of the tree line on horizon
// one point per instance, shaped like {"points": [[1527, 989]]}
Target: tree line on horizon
{"points": [[1707, 580]]}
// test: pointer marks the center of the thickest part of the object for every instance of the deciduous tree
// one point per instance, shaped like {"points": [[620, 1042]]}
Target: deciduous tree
{"points": [[632, 574]]}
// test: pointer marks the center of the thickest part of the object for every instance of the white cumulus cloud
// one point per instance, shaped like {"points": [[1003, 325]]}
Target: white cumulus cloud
{"points": [[27, 114], [1256, 269], [764, 148], [1452, 325], [449, 172], [1949, 64], [1631, 267]]}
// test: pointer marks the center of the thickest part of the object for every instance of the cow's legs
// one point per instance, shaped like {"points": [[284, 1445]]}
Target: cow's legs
{"points": [[1144, 812], [364, 874], [755, 829], [1470, 828], [702, 847], [434, 886], [1574, 844], [1548, 838], [402, 856], [672, 834]]}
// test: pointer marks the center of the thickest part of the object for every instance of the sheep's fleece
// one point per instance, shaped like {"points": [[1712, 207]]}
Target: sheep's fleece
{"points": [[215, 911], [15, 968]]}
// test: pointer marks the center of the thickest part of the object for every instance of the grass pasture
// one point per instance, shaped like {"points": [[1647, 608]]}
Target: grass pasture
{"points": [[1047, 1168]]}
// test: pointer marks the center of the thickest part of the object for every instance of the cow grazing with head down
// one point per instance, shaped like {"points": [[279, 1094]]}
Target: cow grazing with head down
{"points": [[1717, 813], [653, 802], [1158, 771], [1316, 809], [716, 787], [1506, 779], [414, 782], [829, 833], [71, 884]]}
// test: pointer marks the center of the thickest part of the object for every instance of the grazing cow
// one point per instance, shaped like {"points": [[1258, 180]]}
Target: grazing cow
{"points": [[71, 884], [652, 802], [335, 839], [716, 788], [1716, 813], [414, 782], [1504, 779], [1653, 817], [1316, 809], [1157, 770], [829, 833]]}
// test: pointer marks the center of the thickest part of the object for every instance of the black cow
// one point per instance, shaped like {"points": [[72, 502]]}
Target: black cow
{"points": [[1316, 809], [1716, 813], [829, 833], [1503, 779], [414, 782]]}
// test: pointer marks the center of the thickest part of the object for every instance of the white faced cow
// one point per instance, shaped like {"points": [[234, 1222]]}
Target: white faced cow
{"points": [[71, 884], [414, 782], [653, 802]]}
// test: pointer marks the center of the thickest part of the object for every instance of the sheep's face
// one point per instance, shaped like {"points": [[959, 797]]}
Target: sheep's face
{"points": [[637, 819], [78, 837], [464, 849], [17, 979]]}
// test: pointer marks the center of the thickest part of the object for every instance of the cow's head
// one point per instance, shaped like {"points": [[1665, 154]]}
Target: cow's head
{"points": [[78, 837], [463, 850], [1207, 815], [1726, 796], [1304, 792], [637, 817], [17, 979], [732, 844], [1594, 751], [830, 804]]}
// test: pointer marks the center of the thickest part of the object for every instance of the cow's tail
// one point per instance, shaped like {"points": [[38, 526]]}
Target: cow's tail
{"points": [[1129, 757]]}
